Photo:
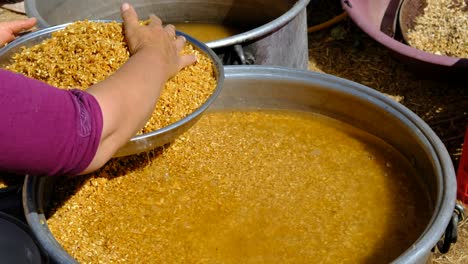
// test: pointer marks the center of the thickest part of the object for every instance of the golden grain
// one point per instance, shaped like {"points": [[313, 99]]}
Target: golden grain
{"points": [[247, 187]]}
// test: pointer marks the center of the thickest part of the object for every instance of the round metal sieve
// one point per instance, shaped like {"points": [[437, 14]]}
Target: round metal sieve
{"points": [[147, 141]]}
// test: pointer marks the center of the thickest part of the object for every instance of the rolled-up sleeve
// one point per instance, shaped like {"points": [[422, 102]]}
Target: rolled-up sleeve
{"points": [[45, 130]]}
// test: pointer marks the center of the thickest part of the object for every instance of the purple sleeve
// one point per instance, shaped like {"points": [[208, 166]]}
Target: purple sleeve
{"points": [[45, 130]]}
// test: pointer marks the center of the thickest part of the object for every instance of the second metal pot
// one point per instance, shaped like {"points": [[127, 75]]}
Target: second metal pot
{"points": [[277, 30]]}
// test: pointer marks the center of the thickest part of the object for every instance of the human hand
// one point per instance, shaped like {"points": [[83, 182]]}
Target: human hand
{"points": [[10, 30], [154, 39]]}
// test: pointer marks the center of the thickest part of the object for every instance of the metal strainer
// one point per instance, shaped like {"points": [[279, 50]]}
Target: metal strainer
{"points": [[145, 141]]}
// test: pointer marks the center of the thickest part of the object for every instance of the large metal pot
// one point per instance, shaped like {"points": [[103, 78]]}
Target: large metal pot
{"points": [[260, 87], [277, 30]]}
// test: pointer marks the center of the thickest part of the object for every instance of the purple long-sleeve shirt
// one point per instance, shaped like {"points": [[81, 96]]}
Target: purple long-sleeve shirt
{"points": [[45, 130]]}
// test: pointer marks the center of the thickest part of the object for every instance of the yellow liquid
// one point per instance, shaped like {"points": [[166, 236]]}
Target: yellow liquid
{"points": [[249, 187], [207, 32]]}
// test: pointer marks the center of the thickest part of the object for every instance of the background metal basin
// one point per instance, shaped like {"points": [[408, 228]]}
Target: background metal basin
{"points": [[275, 30]]}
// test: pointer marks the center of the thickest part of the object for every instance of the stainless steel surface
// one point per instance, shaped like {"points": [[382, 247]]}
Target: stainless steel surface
{"points": [[260, 87], [276, 29], [146, 141]]}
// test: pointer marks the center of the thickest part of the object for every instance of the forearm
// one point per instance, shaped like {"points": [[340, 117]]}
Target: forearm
{"points": [[128, 97]]}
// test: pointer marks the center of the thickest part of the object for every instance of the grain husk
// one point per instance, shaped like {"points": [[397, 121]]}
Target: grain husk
{"points": [[442, 28]]}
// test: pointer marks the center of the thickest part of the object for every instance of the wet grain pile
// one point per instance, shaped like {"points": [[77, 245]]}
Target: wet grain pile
{"points": [[442, 28]]}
